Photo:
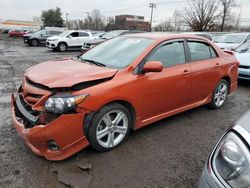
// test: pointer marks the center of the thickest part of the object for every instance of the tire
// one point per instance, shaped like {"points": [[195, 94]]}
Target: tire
{"points": [[34, 42], [220, 94], [111, 134], [62, 46]]}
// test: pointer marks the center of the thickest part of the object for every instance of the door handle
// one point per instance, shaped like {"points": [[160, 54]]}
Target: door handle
{"points": [[217, 65], [185, 72]]}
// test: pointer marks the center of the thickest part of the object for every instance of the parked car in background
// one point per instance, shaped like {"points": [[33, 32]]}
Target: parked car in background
{"points": [[125, 83], [99, 35], [6, 31], [109, 35], [28, 34], [242, 53], [232, 41], [41, 36], [229, 163], [68, 40], [16, 33]]}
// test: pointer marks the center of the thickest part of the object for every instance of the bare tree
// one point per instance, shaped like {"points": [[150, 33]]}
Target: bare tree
{"points": [[177, 20], [94, 21], [201, 15], [164, 26], [227, 5]]}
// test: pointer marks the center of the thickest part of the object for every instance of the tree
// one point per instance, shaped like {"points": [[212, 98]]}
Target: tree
{"points": [[201, 15], [110, 24], [94, 21], [52, 18], [164, 26], [227, 5]]}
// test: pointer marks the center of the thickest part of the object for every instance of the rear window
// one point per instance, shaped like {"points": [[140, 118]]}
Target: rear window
{"points": [[83, 34], [201, 51]]}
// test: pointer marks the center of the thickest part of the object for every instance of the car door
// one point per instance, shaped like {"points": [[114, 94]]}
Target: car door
{"points": [[167, 90], [205, 65], [44, 36], [83, 36], [73, 39]]}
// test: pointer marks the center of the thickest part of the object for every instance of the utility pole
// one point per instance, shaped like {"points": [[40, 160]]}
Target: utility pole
{"points": [[67, 21], [152, 6]]}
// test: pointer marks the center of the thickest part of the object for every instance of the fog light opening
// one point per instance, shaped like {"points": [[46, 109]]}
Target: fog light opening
{"points": [[52, 145]]}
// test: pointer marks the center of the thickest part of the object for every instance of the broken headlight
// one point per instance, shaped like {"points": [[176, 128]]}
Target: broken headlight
{"points": [[231, 161], [59, 104]]}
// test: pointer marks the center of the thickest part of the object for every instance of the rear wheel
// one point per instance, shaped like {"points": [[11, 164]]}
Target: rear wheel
{"points": [[110, 127], [220, 94], [62, 47]]}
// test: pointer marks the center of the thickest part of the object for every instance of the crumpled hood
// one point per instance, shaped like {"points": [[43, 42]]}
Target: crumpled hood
{"points": [[244, 58], [227, 46], [66, 73]]}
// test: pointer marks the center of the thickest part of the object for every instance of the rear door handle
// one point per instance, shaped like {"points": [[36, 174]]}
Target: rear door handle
{"points": [[185, 72]]}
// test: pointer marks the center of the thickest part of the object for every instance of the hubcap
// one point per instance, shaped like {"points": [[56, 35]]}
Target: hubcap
{"points": [[62, 47], [220, 94], [112, 128], [34, 42]]}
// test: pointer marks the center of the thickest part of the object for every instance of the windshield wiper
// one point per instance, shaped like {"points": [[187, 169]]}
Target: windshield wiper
{"points": [[94, 62]]}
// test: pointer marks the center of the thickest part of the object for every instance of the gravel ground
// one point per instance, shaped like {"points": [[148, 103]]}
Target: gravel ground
{"points": [[169, 153]]}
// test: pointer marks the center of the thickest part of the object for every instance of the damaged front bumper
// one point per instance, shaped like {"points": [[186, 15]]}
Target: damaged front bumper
{"points": [[66, 131]]}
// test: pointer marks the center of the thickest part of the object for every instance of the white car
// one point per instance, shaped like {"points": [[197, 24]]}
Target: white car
{"points": [[68, 39], [231, 41], [242, 53]]}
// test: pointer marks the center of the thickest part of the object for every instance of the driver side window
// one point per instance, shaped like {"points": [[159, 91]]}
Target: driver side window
{"points": [[170, 54]]}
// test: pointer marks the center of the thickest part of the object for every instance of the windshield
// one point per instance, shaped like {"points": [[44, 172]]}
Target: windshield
{"points": [[118, 52], [64, 34], [39, 32], [244, 48], [230, 39], [113, 34]]}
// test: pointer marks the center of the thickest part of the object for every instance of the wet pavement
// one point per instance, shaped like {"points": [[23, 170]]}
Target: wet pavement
{"points": [[169, 153]]}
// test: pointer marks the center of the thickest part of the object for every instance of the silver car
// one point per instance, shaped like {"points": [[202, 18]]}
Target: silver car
{"points": [[229, 163], [242, 53]]}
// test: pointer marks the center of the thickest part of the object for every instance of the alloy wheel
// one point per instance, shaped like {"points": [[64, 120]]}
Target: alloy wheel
{"points": [[220, 94], [112, 128], [62, 47]]}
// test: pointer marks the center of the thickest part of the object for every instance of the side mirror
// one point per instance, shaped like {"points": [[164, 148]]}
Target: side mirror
{"points": [[69, 36], [152, 66]]}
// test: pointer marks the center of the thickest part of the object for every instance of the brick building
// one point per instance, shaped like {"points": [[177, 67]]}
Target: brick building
{"points": [[131, 22]]}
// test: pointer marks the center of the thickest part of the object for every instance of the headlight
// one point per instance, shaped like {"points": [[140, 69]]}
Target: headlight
{"points": [[231, 161], [59, 104], [53, 40]]}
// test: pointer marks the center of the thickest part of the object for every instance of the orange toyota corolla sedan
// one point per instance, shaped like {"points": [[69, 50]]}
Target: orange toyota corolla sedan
{"points": [[125, 83]]}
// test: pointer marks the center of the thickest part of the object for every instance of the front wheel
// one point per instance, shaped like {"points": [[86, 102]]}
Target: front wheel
{"points": [[220, 94], [34, 42], [110, 127], [62, 47]]}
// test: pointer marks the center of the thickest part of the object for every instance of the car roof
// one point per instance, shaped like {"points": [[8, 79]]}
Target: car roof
{"points": [[164, 35]]}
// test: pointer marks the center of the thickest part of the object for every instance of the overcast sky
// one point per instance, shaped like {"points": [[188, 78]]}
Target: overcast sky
{"points": [[27, 9]]}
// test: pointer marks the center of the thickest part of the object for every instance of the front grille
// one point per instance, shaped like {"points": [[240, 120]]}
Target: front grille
{"points": [[244, 67], [29, 91]]}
